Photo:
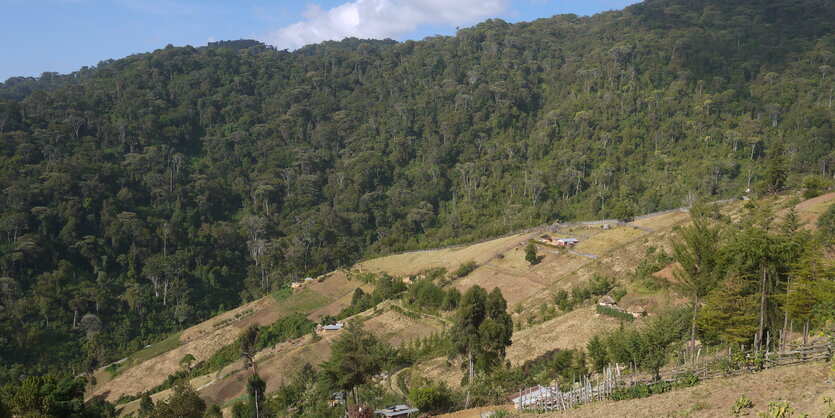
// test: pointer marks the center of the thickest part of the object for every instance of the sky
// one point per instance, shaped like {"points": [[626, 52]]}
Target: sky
{"points": [[65, 35]]}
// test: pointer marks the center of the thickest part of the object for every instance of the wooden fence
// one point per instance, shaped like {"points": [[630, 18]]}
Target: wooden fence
{"points": [[721, 363]]}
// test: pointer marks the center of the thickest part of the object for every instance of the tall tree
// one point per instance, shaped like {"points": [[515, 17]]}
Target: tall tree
{"points": [[482, 329], [697, 252]]}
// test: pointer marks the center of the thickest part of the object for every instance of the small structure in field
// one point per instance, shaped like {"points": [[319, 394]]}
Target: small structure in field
{"points": [[296, 285], [532, 396], [547, 239], [337, 398], [607, 301], [394, 411], [606, 226], [566, 242], [636, 310], [333, 327]]}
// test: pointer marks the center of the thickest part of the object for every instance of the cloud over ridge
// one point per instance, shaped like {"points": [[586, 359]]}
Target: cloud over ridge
{"points": [[379, 19]]}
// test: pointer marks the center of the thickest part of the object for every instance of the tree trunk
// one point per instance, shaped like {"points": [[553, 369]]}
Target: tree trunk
{"points": [[470, 362], [784, 335], [806, 332], [693, 332], [761, 328]]}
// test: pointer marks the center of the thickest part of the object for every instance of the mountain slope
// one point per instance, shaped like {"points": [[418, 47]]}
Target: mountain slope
{"points": [[150, 192]]}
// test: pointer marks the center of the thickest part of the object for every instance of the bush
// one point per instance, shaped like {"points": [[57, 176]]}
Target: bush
{"points": [[464, 269], [289, 327], [434, 398], [741, 405], [605, 310]]}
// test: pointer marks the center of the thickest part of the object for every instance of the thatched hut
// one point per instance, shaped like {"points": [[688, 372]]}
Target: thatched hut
{"points": [[606, 301], [636, 310]]}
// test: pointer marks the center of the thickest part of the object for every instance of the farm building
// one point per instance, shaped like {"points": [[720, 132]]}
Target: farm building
{"points": [[566, 242], [396, 411], [532, 395], [334, 327], [547, 239]]}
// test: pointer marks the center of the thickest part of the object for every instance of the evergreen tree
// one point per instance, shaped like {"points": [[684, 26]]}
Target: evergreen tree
{"points": [[776, 172], [730, 313], [697, 252], [482, 329]]}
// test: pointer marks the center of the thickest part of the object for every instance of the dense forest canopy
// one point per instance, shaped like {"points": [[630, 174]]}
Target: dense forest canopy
{"points": [[147, 193]]}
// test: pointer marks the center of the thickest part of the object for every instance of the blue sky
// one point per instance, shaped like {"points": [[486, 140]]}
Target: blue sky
{"points": [[64, 35]]}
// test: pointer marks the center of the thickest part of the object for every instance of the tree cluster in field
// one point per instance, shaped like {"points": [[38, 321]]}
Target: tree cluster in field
{"points": [[149, 193]]}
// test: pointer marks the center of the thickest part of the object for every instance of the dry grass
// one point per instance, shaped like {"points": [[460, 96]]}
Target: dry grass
{"points": [[396, 328], [572, 330], [450, 258], [662, 221], [810, 210], [804, 387], [604, 241], [438, 370]]}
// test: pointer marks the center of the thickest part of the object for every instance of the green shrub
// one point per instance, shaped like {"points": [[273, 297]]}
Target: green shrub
{"points": [[605, 310], [464, 269], [742, 405], [433, 398]]}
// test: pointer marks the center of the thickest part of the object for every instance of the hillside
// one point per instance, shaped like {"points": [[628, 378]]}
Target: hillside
{"points": [[500, 263], [148, 193]]}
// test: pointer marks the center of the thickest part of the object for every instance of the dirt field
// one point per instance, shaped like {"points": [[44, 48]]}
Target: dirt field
{"points": [[804, 387], [450, 258]]}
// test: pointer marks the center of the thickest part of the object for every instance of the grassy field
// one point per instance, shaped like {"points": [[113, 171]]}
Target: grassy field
{"points": [[604, 241], [450, 258]]}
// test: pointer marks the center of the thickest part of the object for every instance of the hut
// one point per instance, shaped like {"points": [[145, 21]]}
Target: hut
{"points": [[606, 301], [636, 311]]}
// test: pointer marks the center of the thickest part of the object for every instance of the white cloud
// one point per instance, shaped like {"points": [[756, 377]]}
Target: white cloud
{"points": [[379, 19]]}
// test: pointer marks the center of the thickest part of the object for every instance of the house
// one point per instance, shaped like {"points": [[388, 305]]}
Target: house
{"points": [[532, 396], [397, 411], [606, 301], [337, 398], [546, 239], [566, 242], [636, 310], [333, 327], [606, 226]]}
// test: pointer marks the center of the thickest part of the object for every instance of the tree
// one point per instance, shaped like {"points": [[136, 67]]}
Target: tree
{"points": [[256, 388], [597, 353], [730, 313], [530, 254], [775, 169], [431, 398], [696, 250], [482, 329], [356, 356], [187, 361], [184, 403]]}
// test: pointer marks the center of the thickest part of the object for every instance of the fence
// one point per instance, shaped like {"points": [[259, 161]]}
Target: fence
{"points": [[721, 363]]}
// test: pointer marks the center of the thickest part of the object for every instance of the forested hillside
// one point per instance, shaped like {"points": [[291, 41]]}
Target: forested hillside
{"points": [[148, 193]]}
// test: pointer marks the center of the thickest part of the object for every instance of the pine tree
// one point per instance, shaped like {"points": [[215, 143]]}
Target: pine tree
{"points": [[729, 314], [696, 250]]}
